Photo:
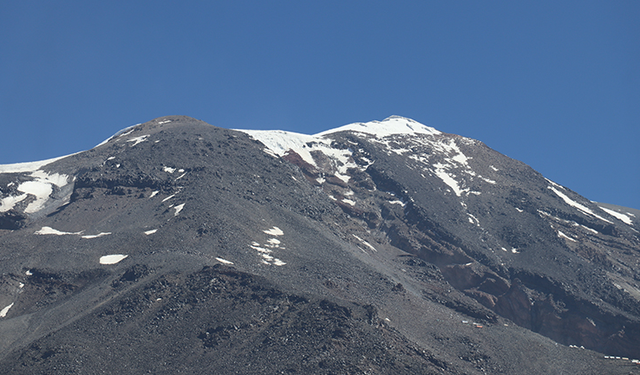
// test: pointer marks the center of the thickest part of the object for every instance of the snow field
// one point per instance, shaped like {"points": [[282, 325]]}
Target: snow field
{"points": [[41, 187]]}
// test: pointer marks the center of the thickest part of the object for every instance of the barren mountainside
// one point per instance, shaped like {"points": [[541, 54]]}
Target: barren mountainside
{"points": [[385, 247]]}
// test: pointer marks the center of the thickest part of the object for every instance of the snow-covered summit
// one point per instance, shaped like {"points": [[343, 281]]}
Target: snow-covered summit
{"points": [[393, 125], [279, 141]]}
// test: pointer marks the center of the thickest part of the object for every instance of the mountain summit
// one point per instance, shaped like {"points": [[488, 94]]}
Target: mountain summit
{"points": [[385, 247]]}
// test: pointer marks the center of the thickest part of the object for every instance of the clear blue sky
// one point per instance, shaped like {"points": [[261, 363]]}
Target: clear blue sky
{"points": [[555, 84]]}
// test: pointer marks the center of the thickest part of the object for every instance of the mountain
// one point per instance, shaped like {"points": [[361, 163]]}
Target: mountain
{"points": [[374, 248]]}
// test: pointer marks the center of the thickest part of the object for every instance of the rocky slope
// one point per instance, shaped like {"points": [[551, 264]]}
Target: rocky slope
{"points": [[384, 247]]}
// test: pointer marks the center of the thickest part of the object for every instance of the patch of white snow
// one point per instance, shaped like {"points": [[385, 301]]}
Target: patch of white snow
{"points": [[273, 241], [390, 126], [448, 179], [367, 244], [278, 262], [138, 140], [275, 231], [620, 216], [571, 202], [178, 208], [5, 311], [9, 202], [562, 235], [349, 202], [101, 234], [49, 230], [224, 261], [112, 259], [41, 187], [169, 197], [28, 166]]}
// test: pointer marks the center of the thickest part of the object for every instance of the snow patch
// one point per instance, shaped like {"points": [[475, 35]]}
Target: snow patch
{"points": [[168, 169], [265, 250], [260, 249], [473, 219], [492, 182], [279, 141], [150, 232], [448, 179], [367, 244], [4, 311], [138, 140], [394, 125], [41, 187], [275, 231], [31, 166], [125, 132], [49, 230], [153, 193], [278, 262], [101, 234], [349, 202], [112, 259], [169, 197], [620, 216], [9, 202], [562, 235], [580, 207], [224, 261], [178, 208]]}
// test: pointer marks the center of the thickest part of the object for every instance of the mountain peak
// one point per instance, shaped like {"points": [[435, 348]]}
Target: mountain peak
{"points": [[393, 125], [417, 251]]}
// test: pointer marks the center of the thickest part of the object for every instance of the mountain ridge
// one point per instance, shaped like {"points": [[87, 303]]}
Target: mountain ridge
{"points": [[452, 245]]}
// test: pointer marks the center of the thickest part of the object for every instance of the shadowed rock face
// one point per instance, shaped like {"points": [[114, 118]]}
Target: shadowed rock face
{"points": [[385, 247]]}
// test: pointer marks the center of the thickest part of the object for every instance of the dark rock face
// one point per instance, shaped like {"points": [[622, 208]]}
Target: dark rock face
{"points": [[177, 246]]}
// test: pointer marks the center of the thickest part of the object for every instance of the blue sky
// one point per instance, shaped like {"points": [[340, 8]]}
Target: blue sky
{"points": [[555, 84]]}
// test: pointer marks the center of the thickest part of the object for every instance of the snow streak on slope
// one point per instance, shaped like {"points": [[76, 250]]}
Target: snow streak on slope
{"points": [[582, 208], [281, 143], [29, 166], [626, 218]]}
